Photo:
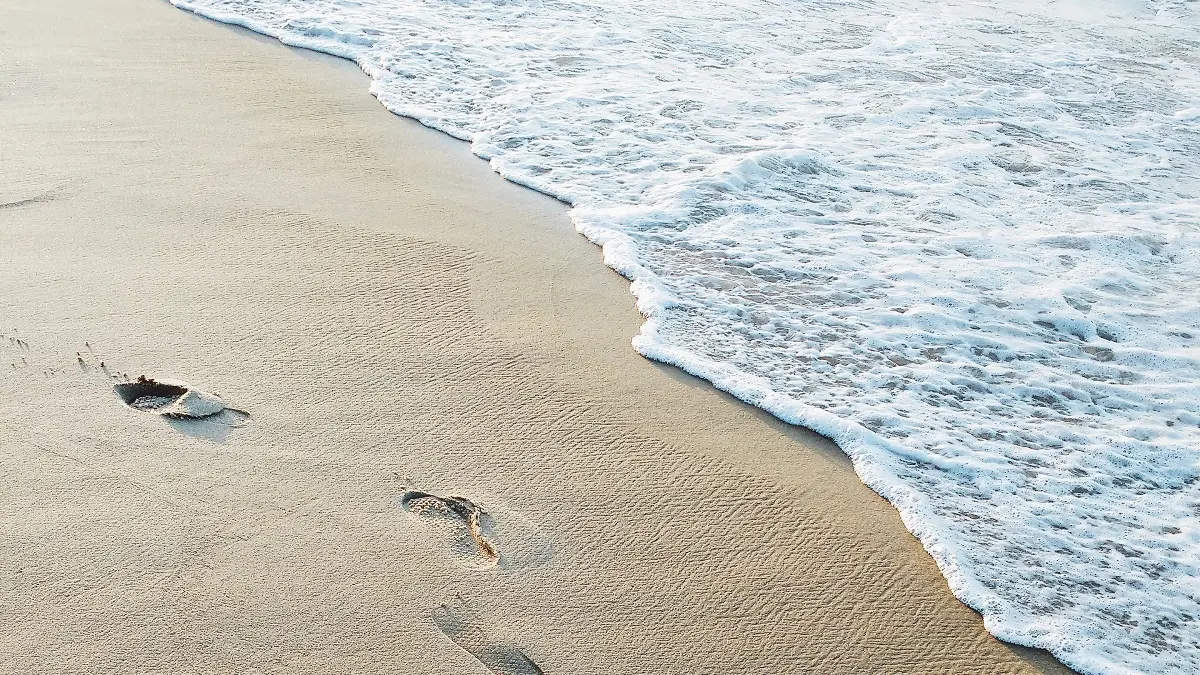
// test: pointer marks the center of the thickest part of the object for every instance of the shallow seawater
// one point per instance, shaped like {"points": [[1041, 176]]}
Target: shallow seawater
{"points": [[962, 239]]}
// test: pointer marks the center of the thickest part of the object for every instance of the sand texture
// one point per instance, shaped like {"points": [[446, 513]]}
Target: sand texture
{"points": [[453, 460]]}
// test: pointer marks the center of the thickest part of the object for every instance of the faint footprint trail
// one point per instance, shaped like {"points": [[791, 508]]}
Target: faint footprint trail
{"points": [[24, 359], [452, 619], [186, 408], [461, 521]]}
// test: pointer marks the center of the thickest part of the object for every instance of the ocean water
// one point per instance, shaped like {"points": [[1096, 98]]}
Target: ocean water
{"points": [[960, 238]]}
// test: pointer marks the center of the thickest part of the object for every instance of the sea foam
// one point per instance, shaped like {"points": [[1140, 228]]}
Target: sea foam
{"points": [[961, 239]]}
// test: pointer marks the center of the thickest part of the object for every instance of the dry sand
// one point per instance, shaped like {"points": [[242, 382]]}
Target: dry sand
{"points": [[193, 201]]}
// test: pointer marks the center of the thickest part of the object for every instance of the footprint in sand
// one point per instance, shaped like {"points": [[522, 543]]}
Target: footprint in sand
{"points": [[175, 400], [458, 520], [477, 538], [453, 620], [190, 410]]}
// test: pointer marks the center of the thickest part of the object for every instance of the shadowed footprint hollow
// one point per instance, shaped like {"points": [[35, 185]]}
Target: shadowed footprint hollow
{"points": [[453, 620]]}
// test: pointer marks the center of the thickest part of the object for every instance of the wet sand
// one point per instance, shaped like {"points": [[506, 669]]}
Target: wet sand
{"points": [[454, 461]]}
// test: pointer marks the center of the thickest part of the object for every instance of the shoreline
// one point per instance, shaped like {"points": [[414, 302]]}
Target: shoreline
{"points": [[418, 323]]}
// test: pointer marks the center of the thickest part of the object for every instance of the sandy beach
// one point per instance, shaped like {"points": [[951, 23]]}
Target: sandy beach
{"points": [[183, 199]]}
